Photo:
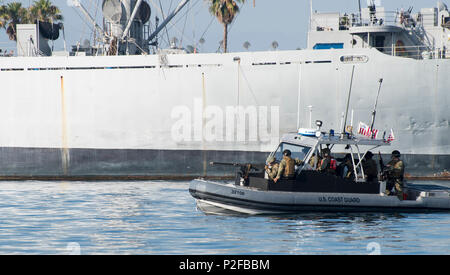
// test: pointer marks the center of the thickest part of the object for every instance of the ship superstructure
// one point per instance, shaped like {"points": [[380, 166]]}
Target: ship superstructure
{"points": [[118, 111], [423, 35]]}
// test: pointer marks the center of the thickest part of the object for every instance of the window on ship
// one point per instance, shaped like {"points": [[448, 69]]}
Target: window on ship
{"points": [[379, 42], [298, 151]]}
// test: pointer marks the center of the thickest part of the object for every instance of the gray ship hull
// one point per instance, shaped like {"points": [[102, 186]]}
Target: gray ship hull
{"points": [[86, 164]]}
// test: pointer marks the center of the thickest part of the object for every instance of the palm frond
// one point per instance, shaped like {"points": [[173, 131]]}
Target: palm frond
{"points": [[225, 11], [14, 13]]}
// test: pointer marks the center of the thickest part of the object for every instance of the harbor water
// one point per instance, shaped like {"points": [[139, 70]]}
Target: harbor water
{"points": [[160, 217]]}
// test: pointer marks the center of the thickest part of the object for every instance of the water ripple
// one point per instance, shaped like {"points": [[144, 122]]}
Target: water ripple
{"points": [[161, 218]]}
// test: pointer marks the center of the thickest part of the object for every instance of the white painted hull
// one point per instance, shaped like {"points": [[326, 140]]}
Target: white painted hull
{"points": [[127, 102]]}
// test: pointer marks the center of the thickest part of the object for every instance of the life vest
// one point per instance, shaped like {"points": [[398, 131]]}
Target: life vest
{"points": [[333, 164]]}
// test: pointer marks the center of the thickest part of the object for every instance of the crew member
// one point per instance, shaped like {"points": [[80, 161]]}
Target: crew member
{"points": [[286, 168], [370, 167], [345, 168], [394, 172], [328, 163], [271, 168], [313, 161]]}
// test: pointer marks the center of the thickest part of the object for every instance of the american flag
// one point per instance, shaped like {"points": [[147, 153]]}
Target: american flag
{"points": [[365, 130]]}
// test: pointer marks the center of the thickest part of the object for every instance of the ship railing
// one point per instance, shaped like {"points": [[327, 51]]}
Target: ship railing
{"points": [[386, 18], [415, 52], [378, 18]]}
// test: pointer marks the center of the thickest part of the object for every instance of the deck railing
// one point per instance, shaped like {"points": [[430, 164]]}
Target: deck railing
{"points": [[415, 52]]}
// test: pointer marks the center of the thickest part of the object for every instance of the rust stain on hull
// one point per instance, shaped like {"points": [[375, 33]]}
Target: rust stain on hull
{"points": [[65, 157]]}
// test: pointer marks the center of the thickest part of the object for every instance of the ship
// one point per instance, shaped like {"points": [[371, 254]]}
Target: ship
{"points": [[117, 111]]}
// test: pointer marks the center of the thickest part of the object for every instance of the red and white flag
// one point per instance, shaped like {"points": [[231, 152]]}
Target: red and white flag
{"points": [[391, 136], [365, 130]]}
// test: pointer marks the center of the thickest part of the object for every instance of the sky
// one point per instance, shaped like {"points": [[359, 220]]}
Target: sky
{"points": [[283, 21]]}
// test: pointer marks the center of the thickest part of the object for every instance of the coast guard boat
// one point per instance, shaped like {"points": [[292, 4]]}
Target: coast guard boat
{"points": [[311, 190]]}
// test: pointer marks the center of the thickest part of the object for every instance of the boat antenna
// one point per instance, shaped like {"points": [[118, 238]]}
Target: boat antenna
{"points": [[130, 21], [374, 112], [310, 115], [348, 101]]}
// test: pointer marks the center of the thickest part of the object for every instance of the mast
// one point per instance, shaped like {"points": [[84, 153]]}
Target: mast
{"points": [[133, 15], [125, 21], [168, 19]]}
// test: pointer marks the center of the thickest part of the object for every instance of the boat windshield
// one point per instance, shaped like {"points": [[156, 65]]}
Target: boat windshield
{"points": [[298, 151]]}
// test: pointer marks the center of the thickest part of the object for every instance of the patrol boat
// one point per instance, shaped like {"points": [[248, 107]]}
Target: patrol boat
{"points": [[253, 192]]}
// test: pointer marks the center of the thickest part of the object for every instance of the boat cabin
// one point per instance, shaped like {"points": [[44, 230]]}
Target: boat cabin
{"points": [[305, 146]]}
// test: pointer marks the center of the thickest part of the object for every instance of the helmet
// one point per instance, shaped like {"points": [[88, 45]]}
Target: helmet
{"points": [[396, 153], [286, 152]]}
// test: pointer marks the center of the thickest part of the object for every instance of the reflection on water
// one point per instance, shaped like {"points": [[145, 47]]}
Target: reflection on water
{"points": [[161, 218]]}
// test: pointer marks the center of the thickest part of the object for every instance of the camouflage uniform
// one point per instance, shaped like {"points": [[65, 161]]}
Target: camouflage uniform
{"points": [[313, 161], [272, 170], [287, 167], [395, 171]]}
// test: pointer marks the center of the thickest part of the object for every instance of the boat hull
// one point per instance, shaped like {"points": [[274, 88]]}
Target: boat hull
{"points": [[252, 201]]}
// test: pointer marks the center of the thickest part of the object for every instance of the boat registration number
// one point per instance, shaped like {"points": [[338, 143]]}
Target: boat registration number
{"points": [[237, 192]]}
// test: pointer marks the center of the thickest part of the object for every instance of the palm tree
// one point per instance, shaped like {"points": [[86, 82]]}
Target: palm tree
{"points": [[45, 11], [274, 45], [12, 14], [225, 11], [246, 45]]}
